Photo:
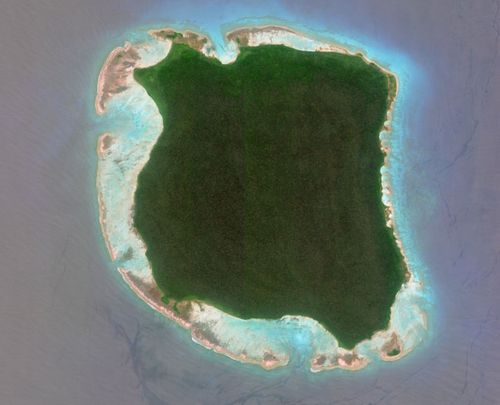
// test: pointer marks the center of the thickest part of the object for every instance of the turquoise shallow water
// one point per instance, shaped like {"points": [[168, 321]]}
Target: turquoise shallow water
{"points": [[81, 337]]}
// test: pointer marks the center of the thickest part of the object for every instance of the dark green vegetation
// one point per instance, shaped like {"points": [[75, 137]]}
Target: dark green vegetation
{"points": [[263, 195], [394, 352]]}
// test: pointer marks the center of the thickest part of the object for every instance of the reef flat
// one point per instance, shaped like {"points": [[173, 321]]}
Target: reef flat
{"points": [[265, 342]]}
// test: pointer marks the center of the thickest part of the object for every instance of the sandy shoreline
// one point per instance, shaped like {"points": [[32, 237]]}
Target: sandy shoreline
{"points": [[152, 296], [193, 39], [115, 76]]}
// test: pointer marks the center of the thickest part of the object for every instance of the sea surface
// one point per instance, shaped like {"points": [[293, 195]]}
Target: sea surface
{"points": [[73, 333]]}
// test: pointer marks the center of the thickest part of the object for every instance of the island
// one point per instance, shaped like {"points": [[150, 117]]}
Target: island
{"points": [[245, 194], [263, 194]]}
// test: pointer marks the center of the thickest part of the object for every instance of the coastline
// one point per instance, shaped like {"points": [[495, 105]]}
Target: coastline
{"points": [[117, 76], [151, 295]]}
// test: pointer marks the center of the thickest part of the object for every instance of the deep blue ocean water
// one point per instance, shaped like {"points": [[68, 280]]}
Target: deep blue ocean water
{"points": [[72, 331]]}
